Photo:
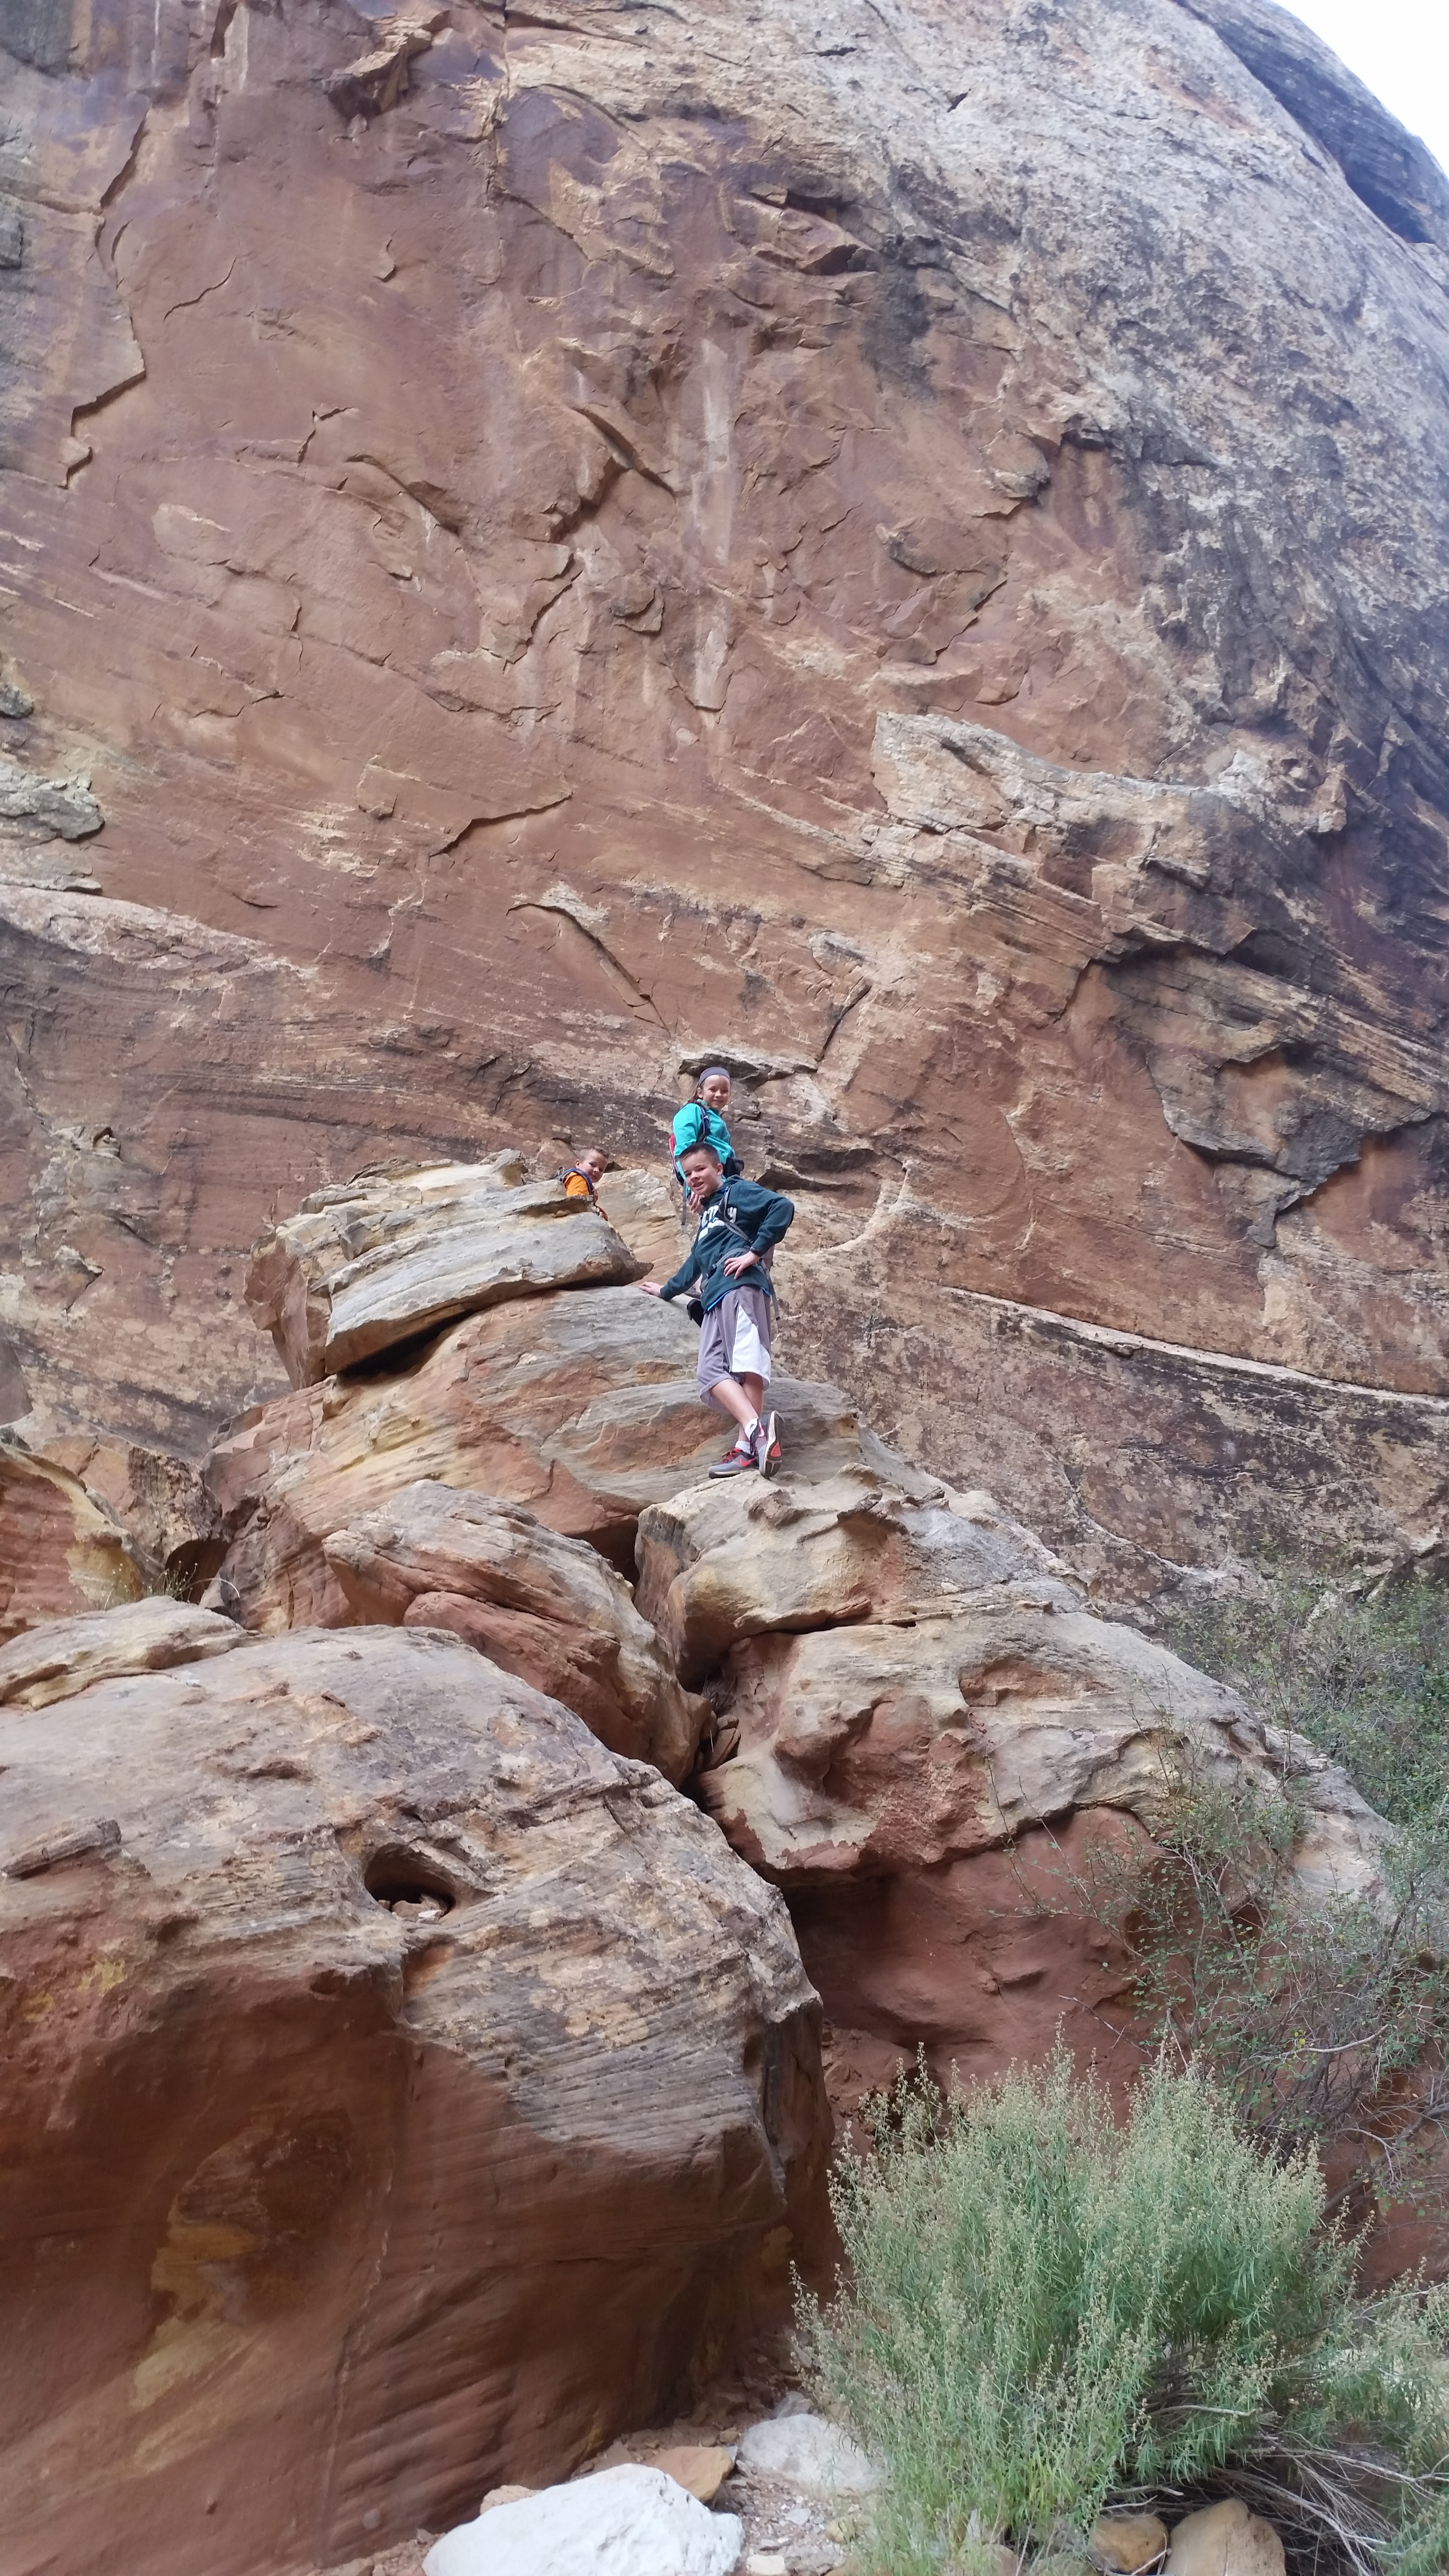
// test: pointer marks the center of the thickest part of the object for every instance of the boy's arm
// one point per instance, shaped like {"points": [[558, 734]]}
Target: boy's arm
{"points": [[684, 1276], [774, 1212]]}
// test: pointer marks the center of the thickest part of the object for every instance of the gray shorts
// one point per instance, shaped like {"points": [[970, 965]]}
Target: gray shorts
{"points": [[734, 1339]]}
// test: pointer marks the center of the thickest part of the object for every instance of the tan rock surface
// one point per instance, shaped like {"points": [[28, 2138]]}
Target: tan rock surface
{"points": [[159, 1499], [305, 2183], [1137, 1459], [934, 1746], [546, 1608], [1125, 2543], [582, 1408], [62, 1656], [700, 2467], [362, 1268], [652, 537], [86, 1520], [1225, 2540], [719, 1563], [405, 2561], [642, 1207], [62, 1551]]}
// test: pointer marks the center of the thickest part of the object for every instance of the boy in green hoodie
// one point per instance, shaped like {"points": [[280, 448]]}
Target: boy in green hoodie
{"points": [[739, 1222]]}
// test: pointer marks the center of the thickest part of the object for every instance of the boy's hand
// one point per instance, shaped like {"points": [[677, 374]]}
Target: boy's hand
{"points": [[740, 1261], [651, 1287]]}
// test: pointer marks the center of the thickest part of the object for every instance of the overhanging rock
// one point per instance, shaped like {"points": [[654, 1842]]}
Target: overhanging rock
{"points": [[374, 1263]]}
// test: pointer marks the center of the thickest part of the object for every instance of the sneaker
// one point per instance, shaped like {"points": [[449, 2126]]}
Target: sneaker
{"points": [[767, 1444], [739, 1460]]}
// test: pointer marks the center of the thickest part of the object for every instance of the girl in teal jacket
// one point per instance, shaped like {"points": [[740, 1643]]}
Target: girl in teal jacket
{"points": [[702, 1122]]}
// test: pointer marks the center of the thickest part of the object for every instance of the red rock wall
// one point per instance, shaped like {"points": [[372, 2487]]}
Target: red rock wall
{"points": [[908, 542]]}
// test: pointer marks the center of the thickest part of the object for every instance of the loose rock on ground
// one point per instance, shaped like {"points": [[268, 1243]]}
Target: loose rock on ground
{"points": [[622, 2522]]}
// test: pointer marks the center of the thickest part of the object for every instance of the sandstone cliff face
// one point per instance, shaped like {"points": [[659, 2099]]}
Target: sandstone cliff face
{"points": [[904, 544]]}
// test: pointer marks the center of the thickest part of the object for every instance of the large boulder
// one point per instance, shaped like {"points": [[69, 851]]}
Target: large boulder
{"points": [[372, 1263], [403, 2093], [546, 1608], [946, 1761], [877, 1749], [723, 1562], [581, 1408], [910, 1676]]}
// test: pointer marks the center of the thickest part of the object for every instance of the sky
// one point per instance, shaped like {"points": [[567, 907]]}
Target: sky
{"points": [[1401, 48]]}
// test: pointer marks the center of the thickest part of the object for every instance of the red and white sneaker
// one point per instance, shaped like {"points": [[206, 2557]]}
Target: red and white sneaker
{"points": [[738, 1461], [767, 1443]]}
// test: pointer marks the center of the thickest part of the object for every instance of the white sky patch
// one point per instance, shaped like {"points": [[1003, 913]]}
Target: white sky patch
{"points": [[1401, 48]]}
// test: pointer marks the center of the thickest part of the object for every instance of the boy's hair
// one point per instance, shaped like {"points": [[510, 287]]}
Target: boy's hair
{"points": [[700, 1148]]}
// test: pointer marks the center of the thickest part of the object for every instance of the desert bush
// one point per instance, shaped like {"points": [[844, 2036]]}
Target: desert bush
{"points": [[145, 1580], [1044, 2308], [1322, 2027], [1359, 1668], [1327, 2028]]}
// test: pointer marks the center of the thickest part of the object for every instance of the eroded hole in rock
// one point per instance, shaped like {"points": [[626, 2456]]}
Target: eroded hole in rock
{"points": [[408, 1885], [190, 1567], [398, 1357]]}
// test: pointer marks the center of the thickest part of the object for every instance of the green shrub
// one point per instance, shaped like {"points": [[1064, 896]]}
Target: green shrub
{"points": [[1361, 1669], [145, 1580], [1315, 2025], [1322, 2028], [1044, 2308]]}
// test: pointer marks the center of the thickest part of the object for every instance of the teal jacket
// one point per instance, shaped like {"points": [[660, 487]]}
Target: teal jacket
{"points": [[696, 1125]]}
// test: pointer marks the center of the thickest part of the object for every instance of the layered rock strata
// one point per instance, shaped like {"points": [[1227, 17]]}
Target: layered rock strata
{"points": [[61, 1549], [1143, 1463], [581, 1408], [402, 2093], [902, 545], [86, 1521], [58, 1657], [367, 1266]]}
